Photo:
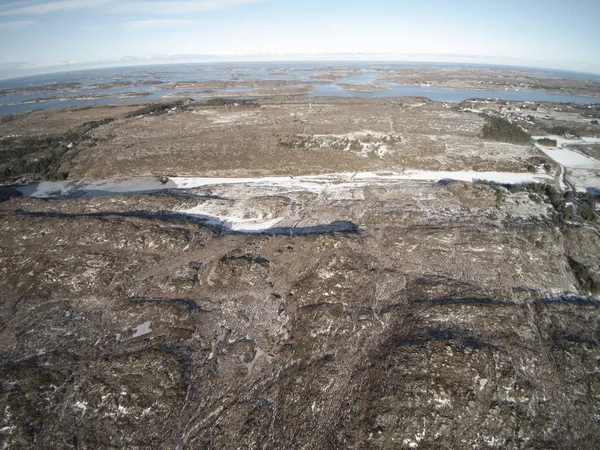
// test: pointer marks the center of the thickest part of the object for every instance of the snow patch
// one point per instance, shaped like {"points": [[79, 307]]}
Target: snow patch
{"points": [[142, 329], [212, 216]]}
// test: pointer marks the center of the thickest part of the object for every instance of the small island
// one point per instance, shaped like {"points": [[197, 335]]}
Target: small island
{"points": [[367, 87]]}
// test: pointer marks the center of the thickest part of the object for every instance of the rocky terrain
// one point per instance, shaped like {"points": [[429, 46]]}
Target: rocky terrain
{"points": [[383, 314], [445, 316], [275, 136]]}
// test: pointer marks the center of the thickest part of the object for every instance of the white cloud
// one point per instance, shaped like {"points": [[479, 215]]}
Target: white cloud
{"points": [[157, 23], [41, 7], [176, 7], [47, 7], [16, 24]]}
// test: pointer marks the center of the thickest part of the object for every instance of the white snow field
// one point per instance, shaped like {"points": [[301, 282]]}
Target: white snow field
{"points": [[566, 157]]}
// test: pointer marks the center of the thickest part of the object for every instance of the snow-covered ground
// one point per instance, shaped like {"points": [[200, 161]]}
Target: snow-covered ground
{"points": [[569, 158], [343, 180], [585, 180], [473, 110], [311, 183], [363, 143], [580, 170], [215, 216], [566, 157]]}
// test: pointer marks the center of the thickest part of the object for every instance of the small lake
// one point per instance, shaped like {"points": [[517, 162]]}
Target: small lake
{"points": [[157, 76]]}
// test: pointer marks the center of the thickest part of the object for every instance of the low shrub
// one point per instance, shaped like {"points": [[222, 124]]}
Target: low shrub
{"points": [[588, 282], [156, 109], [41, 157], [561, 130], [586, 203], [220, 101], [546, 142], [500, 129]]}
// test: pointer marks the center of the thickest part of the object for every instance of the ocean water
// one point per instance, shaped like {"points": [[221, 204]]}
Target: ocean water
{"points": [[12, 103]]}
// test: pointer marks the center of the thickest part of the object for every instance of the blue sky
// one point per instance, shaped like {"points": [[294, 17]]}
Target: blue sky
{"points": [[47, 35]]}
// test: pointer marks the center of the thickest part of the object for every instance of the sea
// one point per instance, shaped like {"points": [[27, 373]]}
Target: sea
{"points": [[156, 78]]}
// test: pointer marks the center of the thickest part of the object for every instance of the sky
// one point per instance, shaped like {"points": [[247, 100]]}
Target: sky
{"points": [[40, 36]]}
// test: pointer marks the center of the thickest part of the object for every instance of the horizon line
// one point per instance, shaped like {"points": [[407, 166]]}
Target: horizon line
{"points": [[219, 59]]}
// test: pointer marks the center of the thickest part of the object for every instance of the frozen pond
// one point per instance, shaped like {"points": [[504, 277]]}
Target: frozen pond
{"points": [[311, 183], [57, 189]]}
